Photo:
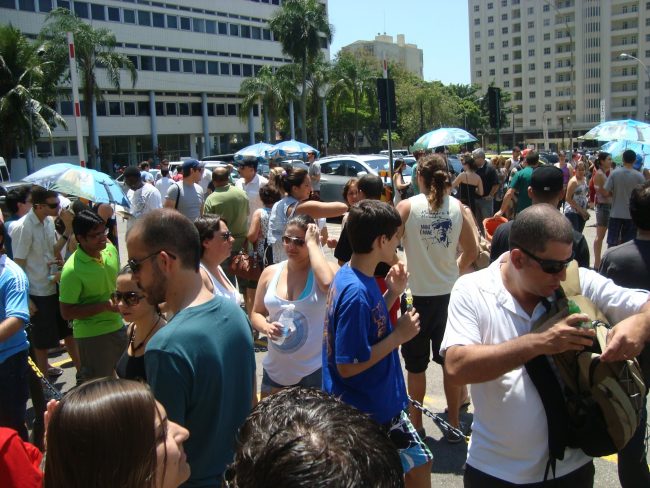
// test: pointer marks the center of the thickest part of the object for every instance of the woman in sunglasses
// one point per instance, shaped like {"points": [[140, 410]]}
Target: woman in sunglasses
{"points": [[216, 247], [303, 281], [143, 320]]}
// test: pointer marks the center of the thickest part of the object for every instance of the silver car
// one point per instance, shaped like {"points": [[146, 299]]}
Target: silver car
{"points": [[337, 170]]}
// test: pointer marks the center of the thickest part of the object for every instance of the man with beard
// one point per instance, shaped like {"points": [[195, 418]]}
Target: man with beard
{"points": [[200, 366]]}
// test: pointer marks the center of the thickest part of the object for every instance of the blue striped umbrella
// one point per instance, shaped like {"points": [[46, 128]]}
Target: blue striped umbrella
{"points": [[616, 149], [445, 136], [255, 152], [291, 149], [619, 130], [72, 179]]}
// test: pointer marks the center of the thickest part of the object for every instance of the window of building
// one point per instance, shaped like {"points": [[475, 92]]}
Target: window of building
{"points": [[491, 59], [172, 22], [221, 109], [492, 72], [200, 67], [531, 10], [547, 65], [476, 8], [235, 69], [531, 66], [531, 24], [532, 80], [245, 31], [113, 14], [65, 107], [158, 19], [213, 68], [80, 10], [97, 12], [186, 23], [211, 26], [198, 25], [174, 64], [195, 109], [504, 43], [547, 22], [490, 6], [161, 64], [183, 108], [479, 73], [506, 71], [477, 21], [490, 32], [43, 5], [129, 108], [547, 79], [146, 63], [101, 108], [532, 108], [232, 109], [60, 148], [506, 57], [504, 30], [504, 3], [490, 19], [234, 30], [531, 38], [247, 70], [490, 45], [188, 66], [532, 122], [477, 48], [160, 109], [171, 108], [222, 28], [266, 34], [225, 68], [506, 84], [531, 52], [531, 94], [547, 36], [210, 109]]}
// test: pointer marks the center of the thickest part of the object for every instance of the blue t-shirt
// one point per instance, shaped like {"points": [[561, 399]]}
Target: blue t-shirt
{"points": [[356, 320], [14, 289], [201, 366]]}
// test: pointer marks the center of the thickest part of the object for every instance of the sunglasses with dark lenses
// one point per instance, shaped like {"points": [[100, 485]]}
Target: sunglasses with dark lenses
{"points": [[130, 298], [550, 266], [136, 264], [50, 205], [296, 241], [225, 235]]}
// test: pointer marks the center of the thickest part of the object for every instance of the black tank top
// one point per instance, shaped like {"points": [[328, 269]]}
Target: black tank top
{"points": [[131, 368]]}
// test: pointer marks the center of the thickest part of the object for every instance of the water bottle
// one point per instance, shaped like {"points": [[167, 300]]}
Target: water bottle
{"points": [[288, 325], [574, 308]]}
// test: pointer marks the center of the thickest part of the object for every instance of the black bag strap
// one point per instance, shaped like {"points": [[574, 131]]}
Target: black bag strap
{"points": [[178, 195]]}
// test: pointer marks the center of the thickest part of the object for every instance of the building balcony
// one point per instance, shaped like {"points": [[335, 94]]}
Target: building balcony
{"points": [[623, 93], [621, 31], [625, 15]]}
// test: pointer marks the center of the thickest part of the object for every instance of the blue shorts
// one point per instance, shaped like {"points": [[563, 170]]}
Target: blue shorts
{"points": [[314, 380], [413, 452]]}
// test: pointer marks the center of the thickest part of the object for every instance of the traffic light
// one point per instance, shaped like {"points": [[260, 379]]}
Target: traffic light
{"points": [[494, 106], [386, 98]]}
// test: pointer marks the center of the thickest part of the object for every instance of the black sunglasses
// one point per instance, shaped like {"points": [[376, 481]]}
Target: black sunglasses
{"points": [[50, 205], [136, 264], [550, 266], [130, 298], [225, 235], [296, 241]]}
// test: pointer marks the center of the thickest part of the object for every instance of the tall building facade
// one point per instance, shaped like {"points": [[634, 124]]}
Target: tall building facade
{"points": [[566, 63], [191, 58], [383, 47]]}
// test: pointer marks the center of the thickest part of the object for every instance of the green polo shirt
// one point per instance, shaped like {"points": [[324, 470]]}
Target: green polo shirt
{"points": [[231, 204], [520, 182], [86, 280]]}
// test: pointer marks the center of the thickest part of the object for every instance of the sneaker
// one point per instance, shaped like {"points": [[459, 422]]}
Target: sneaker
{"points": [[453, 436]]}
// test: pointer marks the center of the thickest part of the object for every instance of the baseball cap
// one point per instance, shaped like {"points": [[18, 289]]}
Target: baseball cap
{"points": [[547, 179], [191, 164]]}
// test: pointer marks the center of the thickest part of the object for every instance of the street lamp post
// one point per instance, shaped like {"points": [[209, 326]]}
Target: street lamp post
{"points": [[323, 91], [645, 67]]}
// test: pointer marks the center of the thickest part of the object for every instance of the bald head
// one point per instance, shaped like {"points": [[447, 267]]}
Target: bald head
{"points": [[220, 176], [539, 224]]}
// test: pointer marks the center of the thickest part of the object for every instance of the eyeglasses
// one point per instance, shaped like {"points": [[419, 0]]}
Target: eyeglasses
{"points": [[296, 241], [130, 298], [95, 235], [136, 264], [225, 235], [550, 266]]}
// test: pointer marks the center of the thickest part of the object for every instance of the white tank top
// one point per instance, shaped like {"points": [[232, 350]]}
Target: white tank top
{"points": [[301, 353], [219, 290], [430, 242]]}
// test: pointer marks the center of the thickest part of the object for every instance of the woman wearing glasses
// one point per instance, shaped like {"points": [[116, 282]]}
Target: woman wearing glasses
{"points": [[143, 320], [216, 247], [295, 354]]}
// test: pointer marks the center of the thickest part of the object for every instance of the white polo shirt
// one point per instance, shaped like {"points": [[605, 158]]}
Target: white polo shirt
{"points": [[252, 191], [33, 241], [509, 432]]}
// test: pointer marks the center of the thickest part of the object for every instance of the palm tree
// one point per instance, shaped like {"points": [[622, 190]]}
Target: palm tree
{"points": [[274, 90], [26, 94], [301, 26], [94, 48], [355, 79]]}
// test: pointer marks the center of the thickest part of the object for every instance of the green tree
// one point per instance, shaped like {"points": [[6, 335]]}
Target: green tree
{"points": [[94, 48], [27, 91], [301, 26], [273, 90], [355, 80]]}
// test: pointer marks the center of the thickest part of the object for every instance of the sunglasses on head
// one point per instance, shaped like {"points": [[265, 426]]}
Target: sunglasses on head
{"points": [[136, 264], [550, 266], [296, 241], [130, 298]]}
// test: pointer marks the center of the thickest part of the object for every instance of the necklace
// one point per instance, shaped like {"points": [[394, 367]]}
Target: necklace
{"points": [[132, 338]]}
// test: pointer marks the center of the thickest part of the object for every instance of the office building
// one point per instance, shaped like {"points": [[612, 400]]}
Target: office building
{"points": [[383, 47], [566, 63], [191, 58]]}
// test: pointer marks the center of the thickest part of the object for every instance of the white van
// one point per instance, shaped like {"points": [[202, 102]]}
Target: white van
{"points": [[4, 171]]}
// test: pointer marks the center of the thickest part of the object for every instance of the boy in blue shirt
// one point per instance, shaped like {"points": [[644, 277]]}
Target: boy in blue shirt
{"points": [[360, 344]]}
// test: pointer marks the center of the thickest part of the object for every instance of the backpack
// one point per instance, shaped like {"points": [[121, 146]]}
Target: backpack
{"points": [[589, 404]]}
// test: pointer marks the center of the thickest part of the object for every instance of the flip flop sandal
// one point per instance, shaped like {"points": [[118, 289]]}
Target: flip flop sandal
{"points": [[54, 372]]}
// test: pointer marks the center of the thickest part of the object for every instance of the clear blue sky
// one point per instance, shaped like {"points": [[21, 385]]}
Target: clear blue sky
{"points": [[438, 27]]}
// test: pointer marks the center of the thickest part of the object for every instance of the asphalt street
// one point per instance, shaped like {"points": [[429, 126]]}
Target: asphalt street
{"points": [[449, 459]]}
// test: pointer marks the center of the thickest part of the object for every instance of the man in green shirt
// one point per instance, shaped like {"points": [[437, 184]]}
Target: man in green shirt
{"points": [[519, 184], [230, 203], [87, 282]]}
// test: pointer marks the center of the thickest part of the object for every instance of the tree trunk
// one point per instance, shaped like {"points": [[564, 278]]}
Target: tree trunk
{"points": [[356, 123], [303, 100]]}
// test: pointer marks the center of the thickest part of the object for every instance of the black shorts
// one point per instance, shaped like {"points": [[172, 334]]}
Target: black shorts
{"points": [[433, 319], [48, 327]]}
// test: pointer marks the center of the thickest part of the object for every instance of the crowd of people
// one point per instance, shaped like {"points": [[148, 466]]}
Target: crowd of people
{"points": [[163, 346]]}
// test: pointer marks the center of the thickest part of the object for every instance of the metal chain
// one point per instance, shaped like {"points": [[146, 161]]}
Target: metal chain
{"points": [[56, 394], [442, 423]]}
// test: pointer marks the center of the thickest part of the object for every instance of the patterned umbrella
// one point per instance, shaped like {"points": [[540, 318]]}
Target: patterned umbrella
{"points": [[256, 152], [444, 136], [619, 130], [81, 182], [291, 148], [616, 149]]}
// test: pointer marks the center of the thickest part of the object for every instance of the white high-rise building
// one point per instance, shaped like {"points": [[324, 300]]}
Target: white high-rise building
{"points": [[383, 47], [191, 57], [566, 63]]}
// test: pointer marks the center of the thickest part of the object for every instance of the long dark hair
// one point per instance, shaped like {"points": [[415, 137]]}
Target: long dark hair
{"points": [[434, 172], [293, 177], [103, 435]]}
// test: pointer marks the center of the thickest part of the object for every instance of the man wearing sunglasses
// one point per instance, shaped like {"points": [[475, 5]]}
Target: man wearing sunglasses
{"points": [[201, 365], [88, 279], [488, 342], [36, 249]]}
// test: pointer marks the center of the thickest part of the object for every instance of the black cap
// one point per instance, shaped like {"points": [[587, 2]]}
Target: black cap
{"points": [[547, 179]]}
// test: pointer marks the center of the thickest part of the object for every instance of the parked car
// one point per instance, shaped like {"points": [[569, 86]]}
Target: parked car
{"points": [[4, 190], [337, 170], [397, 153], [4, 171]]}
